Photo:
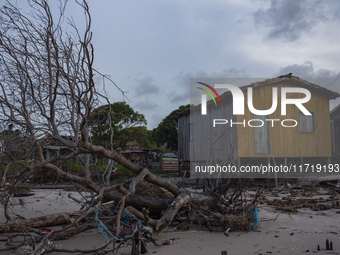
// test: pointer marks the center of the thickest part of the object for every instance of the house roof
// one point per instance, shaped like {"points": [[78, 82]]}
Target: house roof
{"points": [[50, 141], [169, 155], [133, 145], [133, 151], [185, 112], [300, 82]]}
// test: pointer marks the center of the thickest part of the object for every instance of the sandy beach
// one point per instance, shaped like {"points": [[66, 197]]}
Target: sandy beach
{"points": [[280, 232]]}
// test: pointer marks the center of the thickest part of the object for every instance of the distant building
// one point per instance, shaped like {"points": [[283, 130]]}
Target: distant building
{"points": [[134, 152], [169, 162], [133, 145], [52, 147]]}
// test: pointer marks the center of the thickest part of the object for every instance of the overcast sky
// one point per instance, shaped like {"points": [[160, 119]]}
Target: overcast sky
{"points": [[151, 48]]}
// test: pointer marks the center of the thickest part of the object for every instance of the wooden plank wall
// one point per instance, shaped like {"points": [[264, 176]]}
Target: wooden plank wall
{"points": [[184, 138], [210, 143], [288, 142]]}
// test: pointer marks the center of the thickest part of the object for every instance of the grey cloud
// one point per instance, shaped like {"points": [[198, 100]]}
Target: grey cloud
{"points": [[146, 105], [146, 86], [230, 73], [156, 119], [289, 20], [183, 80], [306, 70], [180, 97]]}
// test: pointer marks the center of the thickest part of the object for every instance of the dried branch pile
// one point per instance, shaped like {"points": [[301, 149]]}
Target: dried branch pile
{"points": [[122, 225]]}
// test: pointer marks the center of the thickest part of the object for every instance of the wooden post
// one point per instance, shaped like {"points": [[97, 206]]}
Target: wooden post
{"points": [[238, 163], [334, 152], [179, 168], [268, 179], [329, 161], [136, 242], [276, 184], [286, 181]]}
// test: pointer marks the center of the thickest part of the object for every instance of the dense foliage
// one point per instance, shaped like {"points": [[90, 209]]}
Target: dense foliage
{"points": [[127, 125], [167, 131]]}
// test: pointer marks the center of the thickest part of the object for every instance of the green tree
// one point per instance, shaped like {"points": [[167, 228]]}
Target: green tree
{"points": [[127, 125], [167, 130], [12, 140], [141, 135]]}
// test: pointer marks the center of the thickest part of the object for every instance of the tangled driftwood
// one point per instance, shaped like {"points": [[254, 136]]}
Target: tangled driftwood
{"points": [[120, 225]]}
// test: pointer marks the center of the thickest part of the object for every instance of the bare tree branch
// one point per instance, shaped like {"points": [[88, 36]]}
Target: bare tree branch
{"points": [[47, 94]]}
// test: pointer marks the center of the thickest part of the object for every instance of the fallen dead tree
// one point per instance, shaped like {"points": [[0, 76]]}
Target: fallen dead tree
{"points": [[48, 92], [40, 222], [119, 224]]}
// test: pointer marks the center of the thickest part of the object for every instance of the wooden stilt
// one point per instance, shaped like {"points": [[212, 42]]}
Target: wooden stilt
{"points": [[269, 183], [286, 181]]}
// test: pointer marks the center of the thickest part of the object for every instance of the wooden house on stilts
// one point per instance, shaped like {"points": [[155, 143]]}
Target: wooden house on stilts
{"points": [[277, 141]]}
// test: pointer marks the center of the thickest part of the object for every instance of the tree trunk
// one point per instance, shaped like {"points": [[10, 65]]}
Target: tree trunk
{"points": [[43, 221]]}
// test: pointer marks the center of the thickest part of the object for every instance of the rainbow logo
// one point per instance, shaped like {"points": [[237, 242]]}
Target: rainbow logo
{"points": [[209, 93]]}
